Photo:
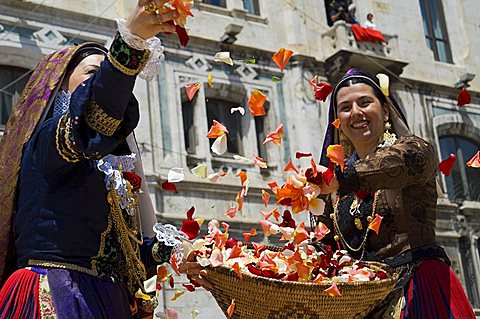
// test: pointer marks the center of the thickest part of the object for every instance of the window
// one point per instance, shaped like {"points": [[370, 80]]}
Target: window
{"points": [[261, 131], [252, 6], [436, 30], [188, 126], [219, 3], [220, 110], [463, 182], [11, 86]]}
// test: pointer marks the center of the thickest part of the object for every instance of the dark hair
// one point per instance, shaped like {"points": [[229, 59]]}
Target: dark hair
{"points": [[369, 14], [357, 80], [84, 52]]}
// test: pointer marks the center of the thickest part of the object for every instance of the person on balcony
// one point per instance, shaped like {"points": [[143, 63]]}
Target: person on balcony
{"points": [[351, 17], [369, 24], [337, 11], [71, 181], [390, 178]]}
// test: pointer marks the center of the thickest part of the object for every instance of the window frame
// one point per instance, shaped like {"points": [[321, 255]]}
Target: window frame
{"points": [[430, 36], [254, 5], [17, 79]]}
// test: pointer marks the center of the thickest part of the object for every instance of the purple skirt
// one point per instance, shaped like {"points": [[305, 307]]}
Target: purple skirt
{"points": [[39, 293]]}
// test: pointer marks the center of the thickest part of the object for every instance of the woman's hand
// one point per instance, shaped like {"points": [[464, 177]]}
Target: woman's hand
{"points": [[331, 187], [146, 23], [194, 271]]}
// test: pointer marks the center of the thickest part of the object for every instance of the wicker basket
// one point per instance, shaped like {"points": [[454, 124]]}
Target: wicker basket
{"points": [[265, 298]]}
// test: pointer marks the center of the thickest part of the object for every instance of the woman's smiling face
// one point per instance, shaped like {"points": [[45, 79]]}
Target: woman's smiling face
{"points": [[361, 116]]}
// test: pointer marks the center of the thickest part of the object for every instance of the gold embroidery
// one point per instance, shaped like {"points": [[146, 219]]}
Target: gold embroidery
{"points": [[102, 244], [100, 121], [126, 70], [57, 264], [45, 300], [62, 140]]}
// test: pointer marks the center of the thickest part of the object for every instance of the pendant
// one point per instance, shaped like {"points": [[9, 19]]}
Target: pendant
{"points": [[358, 223]]}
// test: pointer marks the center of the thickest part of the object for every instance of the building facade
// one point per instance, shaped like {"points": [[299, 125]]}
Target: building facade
{"points": [[431, 51]]}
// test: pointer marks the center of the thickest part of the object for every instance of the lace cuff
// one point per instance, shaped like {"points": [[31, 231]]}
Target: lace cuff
{"points": [[170, 236], [154, 45]]}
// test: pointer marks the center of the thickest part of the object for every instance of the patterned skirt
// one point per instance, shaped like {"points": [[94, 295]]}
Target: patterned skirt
{"points": [[435, 292], [33, 293]]}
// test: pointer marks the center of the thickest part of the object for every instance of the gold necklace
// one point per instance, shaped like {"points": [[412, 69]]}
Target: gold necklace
{"points": [[339, 235]]}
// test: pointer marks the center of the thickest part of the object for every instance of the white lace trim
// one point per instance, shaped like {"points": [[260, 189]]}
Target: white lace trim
{"points": [[171, 236], [152, 68], [61, 103]]}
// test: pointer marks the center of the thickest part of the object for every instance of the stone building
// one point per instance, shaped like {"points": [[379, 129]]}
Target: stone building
{"points": [[429, 54]]}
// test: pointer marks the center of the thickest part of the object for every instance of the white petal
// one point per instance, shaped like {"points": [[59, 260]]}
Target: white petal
{"points": [[223, 57], [220, 145], [316, 206], [239, 109], [384, 82], [242, 159], [200, 171], [176, 175]]}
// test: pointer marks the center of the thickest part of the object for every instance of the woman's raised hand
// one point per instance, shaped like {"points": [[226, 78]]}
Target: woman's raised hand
{"points": [[146, 19], [194, 271]]}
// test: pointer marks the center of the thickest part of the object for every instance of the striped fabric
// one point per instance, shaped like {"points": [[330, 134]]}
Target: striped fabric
{"points": [[435, 292]]}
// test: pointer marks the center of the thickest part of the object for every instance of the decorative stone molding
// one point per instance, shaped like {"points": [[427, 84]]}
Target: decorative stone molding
{"points": [[50, 35], [198, 63]]}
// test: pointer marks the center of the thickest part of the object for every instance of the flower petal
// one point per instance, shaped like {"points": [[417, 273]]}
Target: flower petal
{"points": [[333, 290], [176, 175], [375, 223], [171, 313], [265, 197], [290, 167], [231, 212], [255, 102], [200, 171], [177, 295], [259, 162], [240, 109], [474, 161], [276, 136], [321, 231], [231, 308], [167, 186], [236, 269], [210, 80], [336, 123], [299, 155], [223, 57], [220, 145], [335, 154], [316, 206], [384, 83], [446, 166], [463, 97], [192, 90], [281, 57], [217, 130]]}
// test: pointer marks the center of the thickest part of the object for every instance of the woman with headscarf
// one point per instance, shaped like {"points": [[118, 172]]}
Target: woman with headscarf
{"points": [[70, 194], [389, 176]]}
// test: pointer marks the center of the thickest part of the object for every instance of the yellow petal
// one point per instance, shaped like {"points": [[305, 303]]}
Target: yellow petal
{"points": [[177, 295], [223, 57], [210, 80], [200, 171], [384, 83]]}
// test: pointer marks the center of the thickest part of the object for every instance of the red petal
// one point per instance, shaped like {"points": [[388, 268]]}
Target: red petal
{"points": [[190, 228], [190, 213], [182, 35], [463, 97], [167, 186], [299, 155], [329, 173], [231, 212], [281, 57], [446, 166], [171, 282], [474, 161], [273, 186], [189, 287], [290, 167]]}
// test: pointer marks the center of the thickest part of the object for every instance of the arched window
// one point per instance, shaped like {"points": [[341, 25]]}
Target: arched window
{"points": [[463, 182], [11, 86]]}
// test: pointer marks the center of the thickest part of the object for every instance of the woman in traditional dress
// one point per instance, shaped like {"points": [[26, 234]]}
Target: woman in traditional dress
{"points": [[389, 177], [70, 193]]}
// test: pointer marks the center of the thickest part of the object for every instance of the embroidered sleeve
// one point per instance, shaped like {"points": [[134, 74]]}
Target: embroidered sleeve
{"points": [[98, 120], [126, 59], [170, 243], [63, 140], [410, 161]]}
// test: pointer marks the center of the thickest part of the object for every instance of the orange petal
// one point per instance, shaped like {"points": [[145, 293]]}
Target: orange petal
{"points": [[231, 212], [276, 136], [239, 198], [333, 290], [335, 154], [243, 176], [265, 224], [281, 57], [192, 89], [273, 186], [336, 123], [475, 161], [265, 197], [290, 167], [173, 264], [303, 271], [162, 273], [217, 130], [321, 230], [236, 269], [255, 102], [375, 224], [231, 308]]}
